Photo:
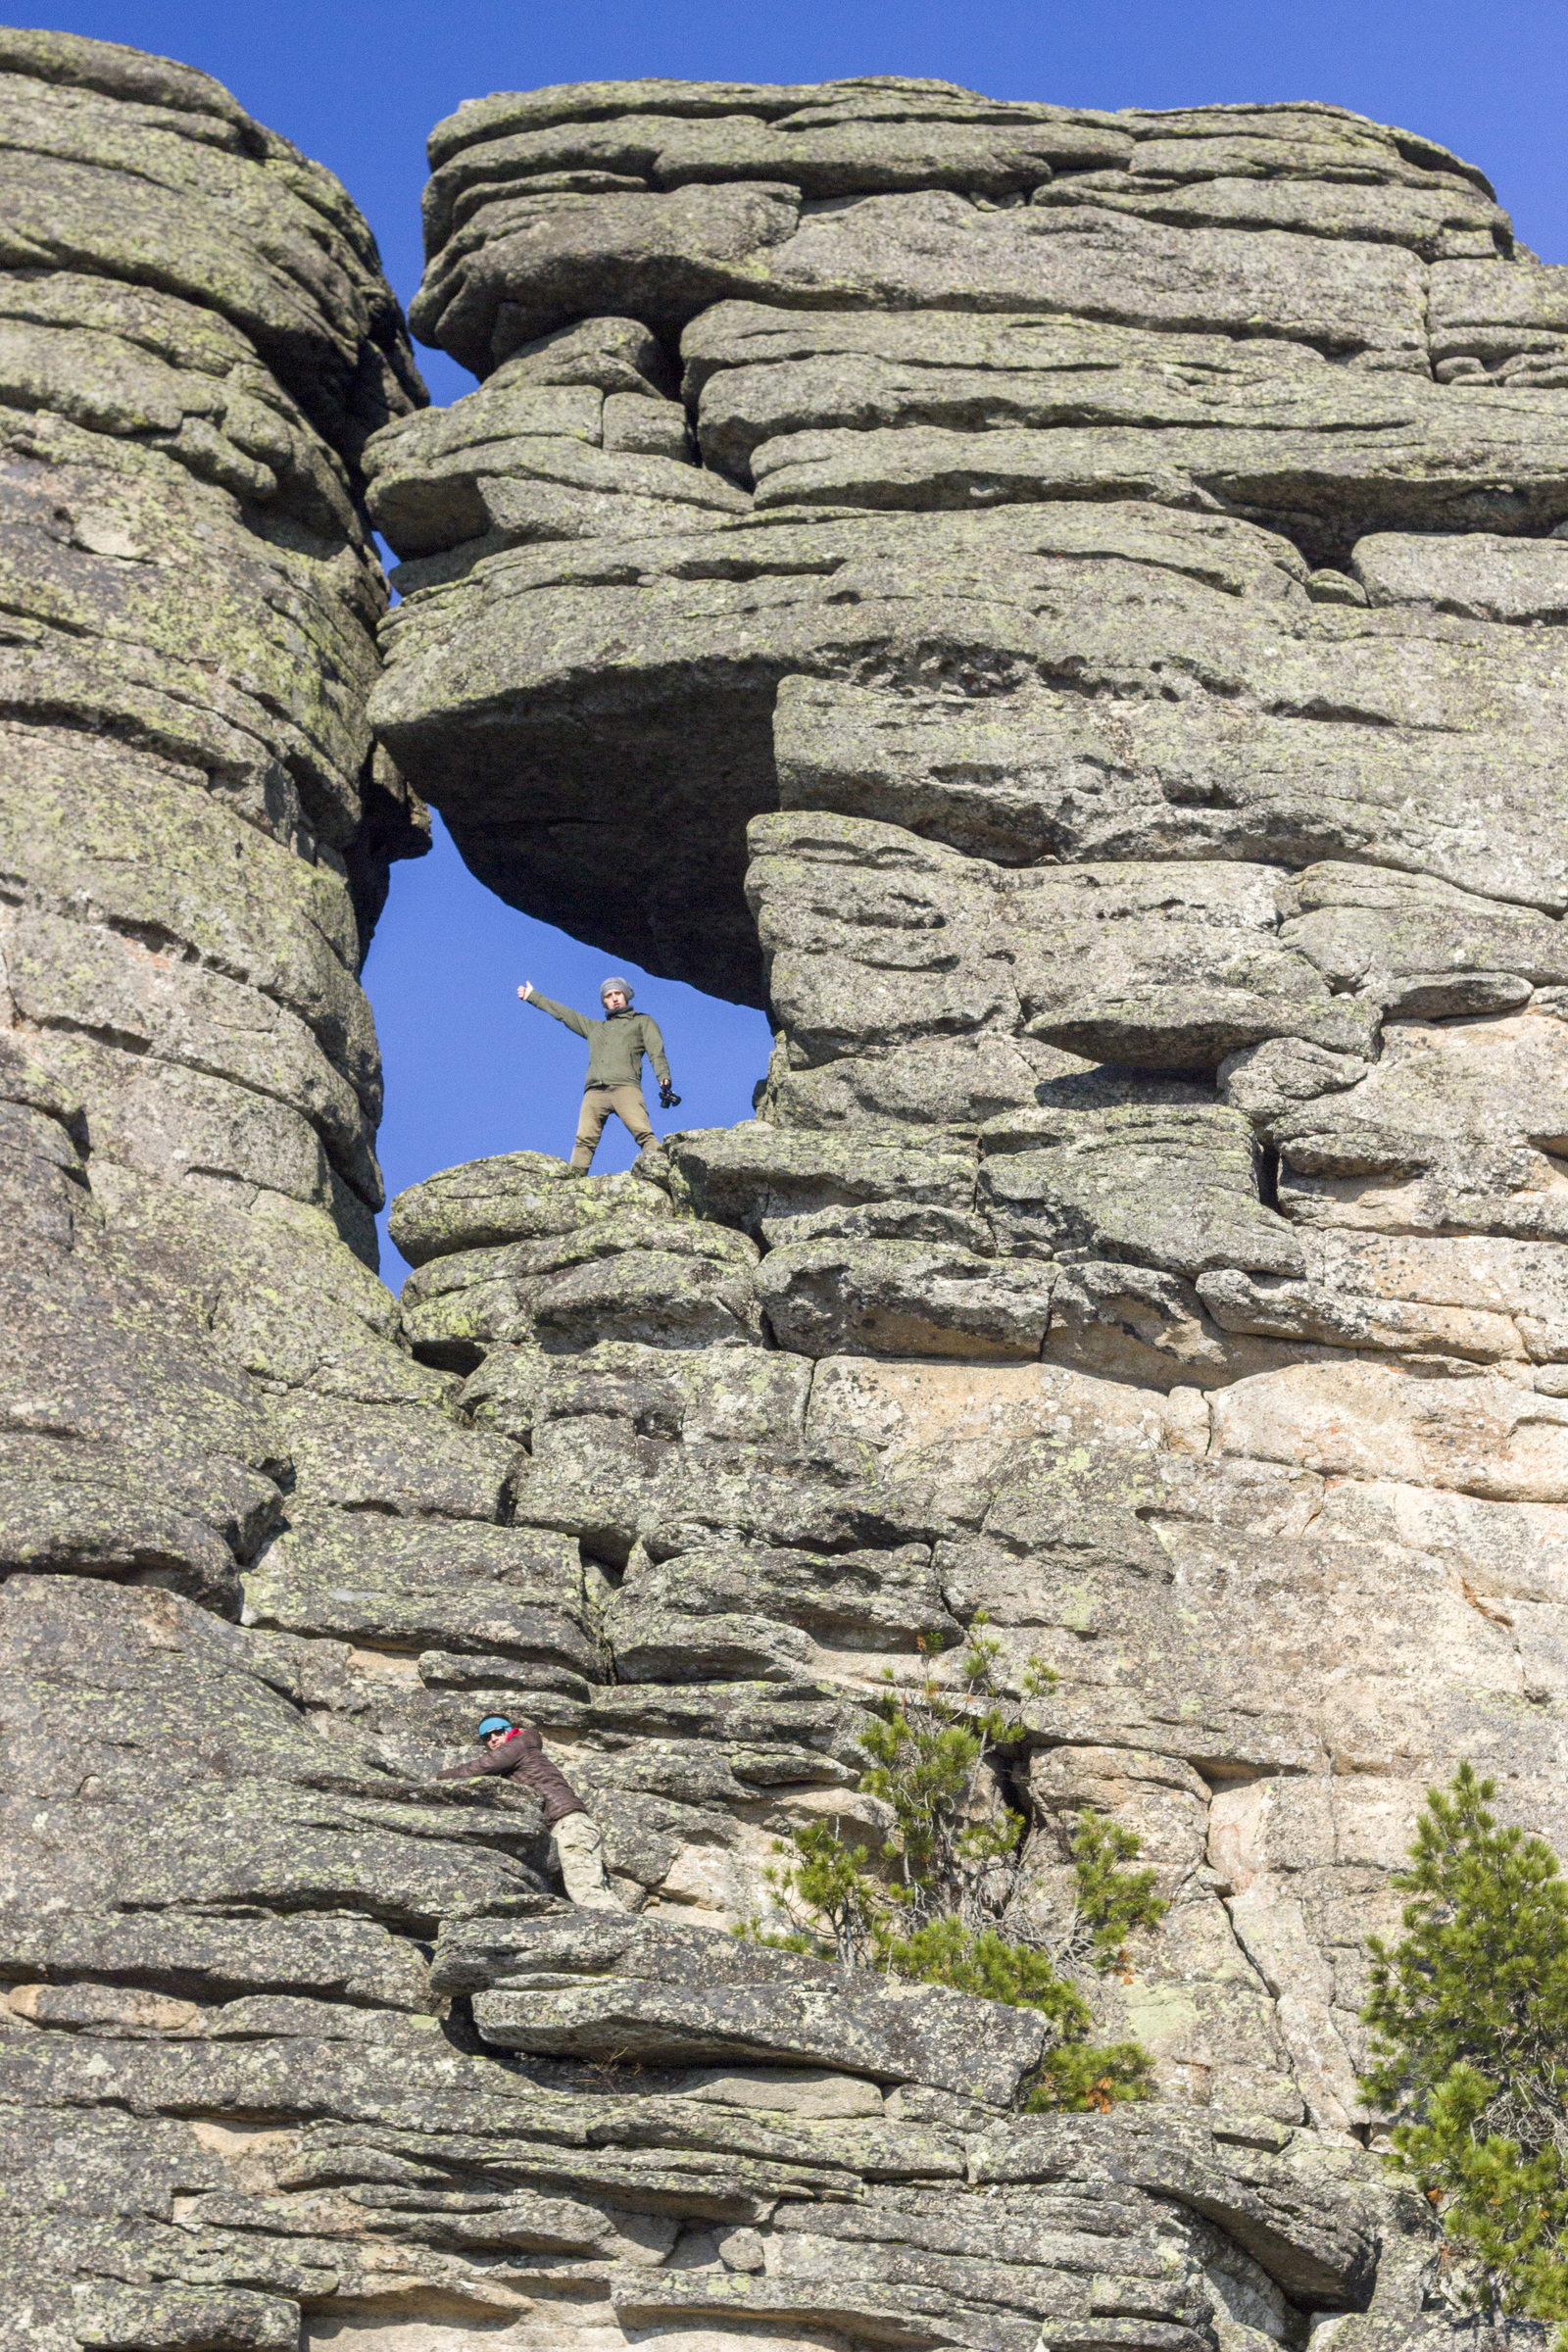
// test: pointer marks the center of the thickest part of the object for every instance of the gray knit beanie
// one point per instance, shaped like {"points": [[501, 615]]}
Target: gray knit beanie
{"points": [[615, 981]]}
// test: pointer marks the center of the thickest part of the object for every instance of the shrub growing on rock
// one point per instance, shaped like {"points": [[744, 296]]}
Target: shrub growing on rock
{"points": [[947, 1910], [1470, 2014]]}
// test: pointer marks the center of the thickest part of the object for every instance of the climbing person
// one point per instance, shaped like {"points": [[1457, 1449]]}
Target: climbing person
{"points": [[616, 1049], [516, 1748]]}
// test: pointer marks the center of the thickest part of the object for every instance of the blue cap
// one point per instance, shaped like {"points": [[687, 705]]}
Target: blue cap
{"points": [[494, 1723]]}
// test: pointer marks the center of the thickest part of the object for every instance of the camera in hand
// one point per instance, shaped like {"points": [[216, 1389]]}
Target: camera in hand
{"points": [[669, 1099]]}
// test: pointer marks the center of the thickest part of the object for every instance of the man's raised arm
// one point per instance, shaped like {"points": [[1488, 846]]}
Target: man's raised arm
{"points": [[558, 1013]]}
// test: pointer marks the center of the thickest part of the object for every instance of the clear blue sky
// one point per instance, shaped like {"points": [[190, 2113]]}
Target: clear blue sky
{"points": [[358, 85]]}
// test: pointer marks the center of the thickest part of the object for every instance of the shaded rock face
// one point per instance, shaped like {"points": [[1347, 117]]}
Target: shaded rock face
{"points": [[201, 1378], [195, 344], [1149, 1235]]}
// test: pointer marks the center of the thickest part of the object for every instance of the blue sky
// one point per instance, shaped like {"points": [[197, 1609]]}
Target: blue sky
{"points": [[358, 85]]}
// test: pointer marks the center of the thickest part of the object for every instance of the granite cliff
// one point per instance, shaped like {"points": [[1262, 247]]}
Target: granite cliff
{"points": [[1066, 610]]}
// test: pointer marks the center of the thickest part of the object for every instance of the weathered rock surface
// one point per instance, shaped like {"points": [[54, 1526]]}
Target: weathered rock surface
{"points": [[893, 306], [1164, 960], [639, 1990], [1070, 604]]}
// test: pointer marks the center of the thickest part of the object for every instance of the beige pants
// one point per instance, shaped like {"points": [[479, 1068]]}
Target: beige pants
{"points": [[580, 1851], [626, 1101]]}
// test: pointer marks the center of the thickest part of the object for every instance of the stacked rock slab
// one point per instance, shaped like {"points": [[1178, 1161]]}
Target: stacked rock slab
{"points": [[1214, 454], [1066, 610]]}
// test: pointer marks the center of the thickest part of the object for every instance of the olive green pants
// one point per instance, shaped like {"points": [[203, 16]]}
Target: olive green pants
{"points": [[626, 1101]]}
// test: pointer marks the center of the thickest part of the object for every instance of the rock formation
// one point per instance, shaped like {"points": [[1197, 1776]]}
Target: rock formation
{"points": [[1061, 608]]}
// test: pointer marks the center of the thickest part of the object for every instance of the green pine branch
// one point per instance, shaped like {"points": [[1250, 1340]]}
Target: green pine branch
{"points": [[940, 1914], [1469, 2014]]}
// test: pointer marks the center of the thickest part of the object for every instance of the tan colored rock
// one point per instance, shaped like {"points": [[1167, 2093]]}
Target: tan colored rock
{"points": [[1483, 1435], [786, 2090]]}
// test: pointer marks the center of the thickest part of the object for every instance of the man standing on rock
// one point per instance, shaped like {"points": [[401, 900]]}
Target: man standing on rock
{"points": [[616, 1049], [518, 1749]]}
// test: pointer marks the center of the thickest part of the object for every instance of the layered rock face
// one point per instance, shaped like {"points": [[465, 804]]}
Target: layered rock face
{"points": [[1134, 620], [1062, 608], [1108, 566], [1018, 417], [204, 1901]]}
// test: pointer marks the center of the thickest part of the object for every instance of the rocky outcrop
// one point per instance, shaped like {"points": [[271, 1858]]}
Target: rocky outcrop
{"points": [[1136, 651], [1068, 609], [205, 1901], [1140, 549], [195, 344], [1091, 485]]}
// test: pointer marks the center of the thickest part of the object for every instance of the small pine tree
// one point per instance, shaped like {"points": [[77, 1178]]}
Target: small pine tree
{"points": [[844, 1907], [942, 1915], [1470, 2051], [1111, 1901]]}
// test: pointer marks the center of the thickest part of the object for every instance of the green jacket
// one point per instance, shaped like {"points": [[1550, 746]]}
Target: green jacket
{"points": [[616, 1047]]}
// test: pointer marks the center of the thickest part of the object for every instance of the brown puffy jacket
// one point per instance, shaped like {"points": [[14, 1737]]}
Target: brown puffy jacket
{"points": [[525, 1758]]}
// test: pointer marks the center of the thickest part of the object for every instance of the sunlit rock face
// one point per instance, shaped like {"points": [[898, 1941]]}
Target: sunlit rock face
{"points": [[1050, 484], [1063, 609]]}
